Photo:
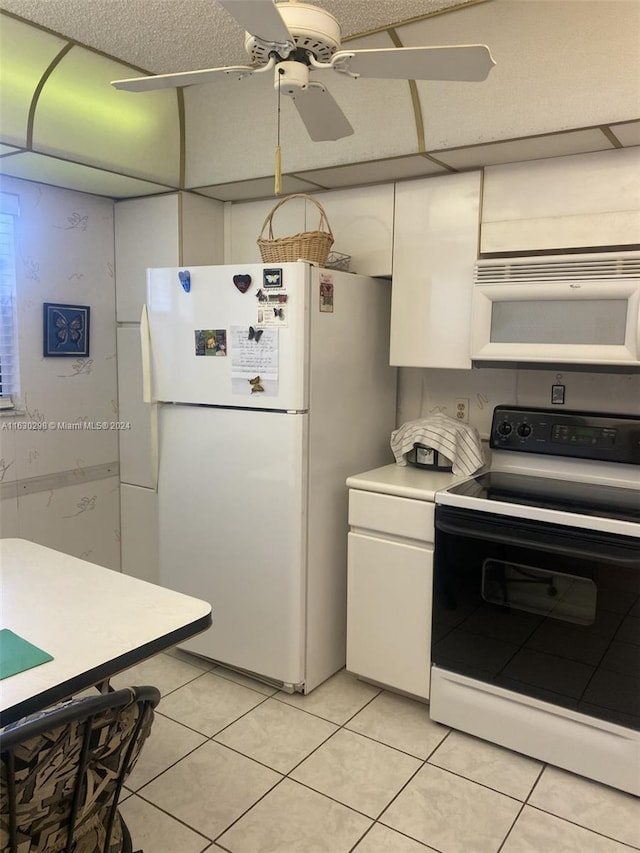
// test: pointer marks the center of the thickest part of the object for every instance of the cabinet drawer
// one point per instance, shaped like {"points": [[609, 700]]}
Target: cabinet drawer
{"points": [[388, 514]]}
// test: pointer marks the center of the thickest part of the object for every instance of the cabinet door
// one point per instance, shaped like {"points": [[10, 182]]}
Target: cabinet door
{"points": [[245, 226], [563, 202], [361, 219], [389, 596], [163, 231], [139, 533], [436, 234], [147, 234], [136, 442]]}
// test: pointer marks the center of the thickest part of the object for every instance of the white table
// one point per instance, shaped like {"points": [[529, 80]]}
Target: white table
{"points": [[94, 621]]}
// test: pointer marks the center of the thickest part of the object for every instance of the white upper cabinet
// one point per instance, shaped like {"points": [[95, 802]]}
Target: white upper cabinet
{"points": [[162, 231], [362, 223], [573, 202], [435, 247], [244, 226], [361, 220]]}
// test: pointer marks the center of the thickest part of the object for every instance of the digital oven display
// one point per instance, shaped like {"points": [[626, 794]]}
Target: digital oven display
{"points": [[584, 435]]}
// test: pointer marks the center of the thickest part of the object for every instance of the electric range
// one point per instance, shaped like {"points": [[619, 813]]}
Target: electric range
{"points": [[536, 616]]}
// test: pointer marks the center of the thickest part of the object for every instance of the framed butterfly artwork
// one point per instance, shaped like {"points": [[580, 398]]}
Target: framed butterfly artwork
{"points": [[66, 330]]}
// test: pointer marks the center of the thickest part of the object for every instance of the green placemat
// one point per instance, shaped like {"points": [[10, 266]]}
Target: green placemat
{"points": [[17, 654]]}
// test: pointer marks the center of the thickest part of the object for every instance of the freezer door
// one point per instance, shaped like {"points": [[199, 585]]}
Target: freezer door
{"points": [[226, 336], [232, 531]]}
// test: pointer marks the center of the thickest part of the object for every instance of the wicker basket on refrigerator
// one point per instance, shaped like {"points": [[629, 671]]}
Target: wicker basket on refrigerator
{"points": [[311, 246]]}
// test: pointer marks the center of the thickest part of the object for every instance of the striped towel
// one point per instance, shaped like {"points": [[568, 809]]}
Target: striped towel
{"points": [[458, 442]]}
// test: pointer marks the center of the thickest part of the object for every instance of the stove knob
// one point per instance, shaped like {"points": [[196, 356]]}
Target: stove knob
{"points": [[504, 428], [524, 430]]}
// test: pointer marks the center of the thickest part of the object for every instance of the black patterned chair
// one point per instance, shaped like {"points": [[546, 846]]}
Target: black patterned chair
{"points": [[62, 771]]}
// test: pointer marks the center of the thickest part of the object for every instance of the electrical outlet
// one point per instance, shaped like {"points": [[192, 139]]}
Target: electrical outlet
{"points": [[462, 410]]}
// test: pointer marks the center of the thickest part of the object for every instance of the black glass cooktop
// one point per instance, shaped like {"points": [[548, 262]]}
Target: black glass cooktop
{"points": [[565, 496]]}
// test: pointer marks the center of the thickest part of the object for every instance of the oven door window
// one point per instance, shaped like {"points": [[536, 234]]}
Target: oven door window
{"points": [[548, 611], [553, 594]]}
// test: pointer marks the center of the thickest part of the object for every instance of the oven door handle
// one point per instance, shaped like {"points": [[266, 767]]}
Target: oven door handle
{"points": [[541, 541]]}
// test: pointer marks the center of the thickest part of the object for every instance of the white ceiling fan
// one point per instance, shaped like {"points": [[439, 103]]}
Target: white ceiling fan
{"points": [[295, 39]]}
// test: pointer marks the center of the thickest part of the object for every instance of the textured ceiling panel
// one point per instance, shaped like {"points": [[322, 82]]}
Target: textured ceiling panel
{"points": [[163, 36], [627, 134], [258, 188], [555, 69], [376, 172], [531, 148]]}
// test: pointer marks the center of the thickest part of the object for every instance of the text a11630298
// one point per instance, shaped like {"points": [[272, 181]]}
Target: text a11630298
{"points": [[74, 426]]}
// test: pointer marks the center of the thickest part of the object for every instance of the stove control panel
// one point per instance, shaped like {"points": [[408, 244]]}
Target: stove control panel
{"points": [[583, 435]]}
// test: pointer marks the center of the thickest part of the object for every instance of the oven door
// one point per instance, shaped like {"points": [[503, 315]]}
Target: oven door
{"points": [[543, 610]]}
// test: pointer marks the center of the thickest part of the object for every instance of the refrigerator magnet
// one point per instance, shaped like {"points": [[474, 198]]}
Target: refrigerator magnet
{"points": [[272, 277], [242, 282], [184, 277], [326, 293], [211, 342], [273, 315]]}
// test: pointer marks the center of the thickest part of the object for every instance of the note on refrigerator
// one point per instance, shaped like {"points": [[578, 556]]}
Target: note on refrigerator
{"points": [[254, 350]]}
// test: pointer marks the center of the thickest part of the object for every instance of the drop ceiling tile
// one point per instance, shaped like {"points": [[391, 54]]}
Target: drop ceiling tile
{"points": [[80, 116], [26, 54], [531, 148], [628, 133], [258, 188], [75, 176], [376, 171]]}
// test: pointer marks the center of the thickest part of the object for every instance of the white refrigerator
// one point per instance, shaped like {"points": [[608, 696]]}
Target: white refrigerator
{"points": [[273, 386]]}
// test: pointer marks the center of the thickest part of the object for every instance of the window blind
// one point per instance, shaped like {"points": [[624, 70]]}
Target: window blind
{"points": [[9, 364]]}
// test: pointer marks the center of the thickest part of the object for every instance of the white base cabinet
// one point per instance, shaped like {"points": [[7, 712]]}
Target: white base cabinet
{"points": [[389, 612], [389, 590]]}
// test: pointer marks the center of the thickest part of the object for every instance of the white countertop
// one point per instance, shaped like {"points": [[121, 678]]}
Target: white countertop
{"points": [[404, 481]]}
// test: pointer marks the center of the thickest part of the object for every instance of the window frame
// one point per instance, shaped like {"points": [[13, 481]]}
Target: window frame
{"points": [[9, 352]]}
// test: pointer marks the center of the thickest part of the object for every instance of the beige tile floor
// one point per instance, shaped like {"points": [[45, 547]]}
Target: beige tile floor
{"points": [[235, 765]]}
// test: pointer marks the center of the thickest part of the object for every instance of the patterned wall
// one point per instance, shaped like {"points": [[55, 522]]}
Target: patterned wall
{"points": [[58, 470]]}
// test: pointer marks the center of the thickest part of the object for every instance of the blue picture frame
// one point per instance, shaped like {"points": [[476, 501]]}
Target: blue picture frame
{"points": [[66, 330]]}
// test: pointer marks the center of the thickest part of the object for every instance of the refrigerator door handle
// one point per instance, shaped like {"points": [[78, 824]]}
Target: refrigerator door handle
{"points": [[145, 343]]}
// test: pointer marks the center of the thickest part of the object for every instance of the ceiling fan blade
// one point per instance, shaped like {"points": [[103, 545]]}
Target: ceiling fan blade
{"points": [[261, 18], [181, 78], [320, 113], [471, 62]]}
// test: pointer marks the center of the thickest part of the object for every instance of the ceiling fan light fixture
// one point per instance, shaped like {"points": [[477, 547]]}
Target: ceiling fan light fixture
{"points": [[291, 77]]}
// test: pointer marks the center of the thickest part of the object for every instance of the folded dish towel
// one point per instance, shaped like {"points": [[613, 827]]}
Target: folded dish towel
{"points": [[460, 443]]}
